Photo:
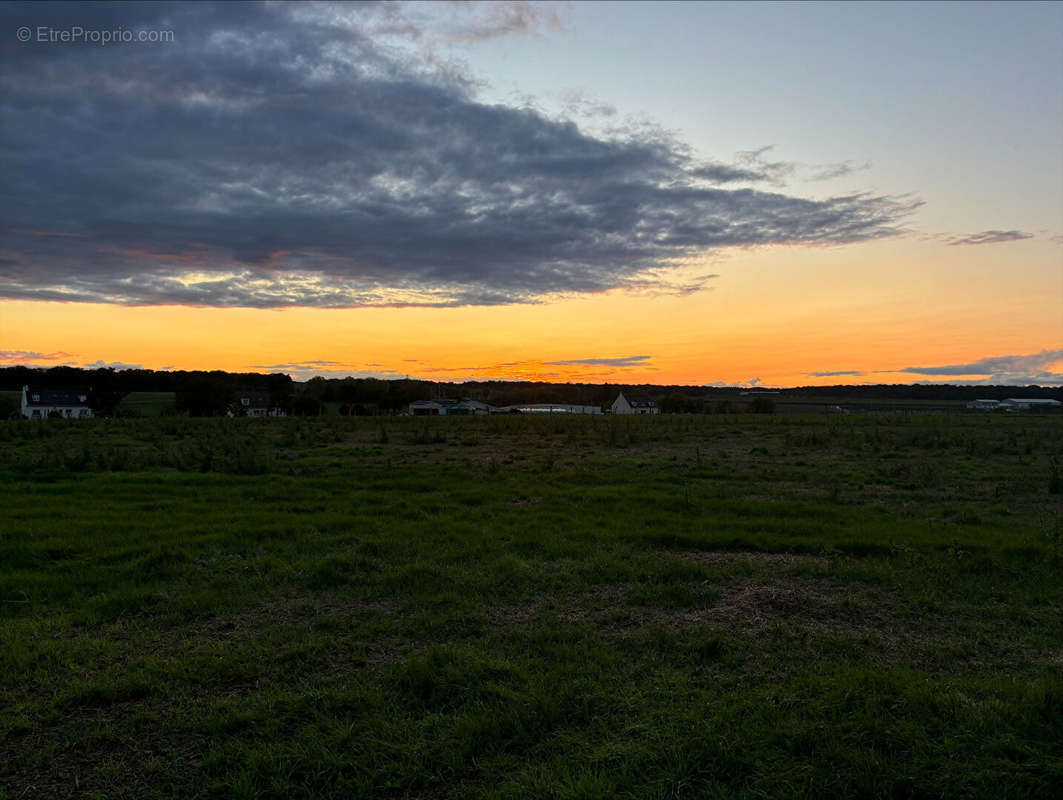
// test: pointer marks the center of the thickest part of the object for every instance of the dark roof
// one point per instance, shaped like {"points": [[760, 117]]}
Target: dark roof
{"points": [[54, 397], [639, 400], [256, 399]]}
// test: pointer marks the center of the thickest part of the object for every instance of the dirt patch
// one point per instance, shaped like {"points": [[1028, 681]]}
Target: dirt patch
{"points": [[746, 607], [749, 606], [812, 611], [773, 560]]}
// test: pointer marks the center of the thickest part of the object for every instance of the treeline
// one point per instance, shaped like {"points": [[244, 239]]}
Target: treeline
{"points": [[202, 393], [196, 393]]}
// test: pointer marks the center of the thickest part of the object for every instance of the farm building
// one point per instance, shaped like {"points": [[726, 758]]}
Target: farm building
{"points": [[419, 408], [547, 408], [984, 405], [44, 403], [633, 403], [1030, 404], [466, 408]]}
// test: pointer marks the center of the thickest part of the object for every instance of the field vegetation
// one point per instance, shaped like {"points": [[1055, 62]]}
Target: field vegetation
{"points": [[516, 606], [147, 404]]}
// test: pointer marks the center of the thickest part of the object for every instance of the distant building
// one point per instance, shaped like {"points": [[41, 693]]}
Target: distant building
{"points": [[422, 408], [1030, 404], [469, 407], [984, 405], [255, 403], [547, 408], [443, 407], [44, 403], [632, 403]]}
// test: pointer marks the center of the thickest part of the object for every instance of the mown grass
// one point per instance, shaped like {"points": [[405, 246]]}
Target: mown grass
{"points": [[505, 607]]}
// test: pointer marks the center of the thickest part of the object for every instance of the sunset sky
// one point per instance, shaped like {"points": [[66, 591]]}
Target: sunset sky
{"points": [[751, 194]]}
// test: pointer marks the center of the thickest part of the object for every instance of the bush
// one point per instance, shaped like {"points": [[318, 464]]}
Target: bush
{"points": [[762, 405]]}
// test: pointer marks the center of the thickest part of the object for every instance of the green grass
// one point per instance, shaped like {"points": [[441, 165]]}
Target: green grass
{"points": [[739, 606], [147, 404]]}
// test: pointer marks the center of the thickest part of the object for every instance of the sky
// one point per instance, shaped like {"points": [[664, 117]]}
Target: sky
{"points": [[723, 194]]}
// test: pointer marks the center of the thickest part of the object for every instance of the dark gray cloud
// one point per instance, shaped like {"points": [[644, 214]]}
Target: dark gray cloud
{"points": [[774, 171], [989, 237], [1018, 370], [623, 361], [304, 370], [835, 373], [279, 155], [111, 365], [725, 173], [753, 166], [298, 365]]}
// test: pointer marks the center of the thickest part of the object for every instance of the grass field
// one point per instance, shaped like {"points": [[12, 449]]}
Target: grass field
{"points": [[147, 404], [570, 607]]}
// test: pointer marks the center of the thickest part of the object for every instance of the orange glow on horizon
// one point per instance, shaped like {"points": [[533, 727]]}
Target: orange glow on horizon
{"points": [[777, 314]]}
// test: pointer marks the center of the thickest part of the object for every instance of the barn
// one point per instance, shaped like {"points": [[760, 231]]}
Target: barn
{"points": [[1030, 404]]}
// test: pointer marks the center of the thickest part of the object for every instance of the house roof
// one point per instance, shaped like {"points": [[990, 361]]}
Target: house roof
{"points": [[639, 400], [54, 397], [256, 398]]}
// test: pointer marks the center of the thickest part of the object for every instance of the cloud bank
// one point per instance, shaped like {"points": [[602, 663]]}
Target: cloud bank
{"points": [[623, 361], [295, 155], [1017, 370]]}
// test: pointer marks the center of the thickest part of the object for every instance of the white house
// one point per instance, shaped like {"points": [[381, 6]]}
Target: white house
{"points": [[633, 403], [1030, 404], [255, 403], [44, 403]]}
